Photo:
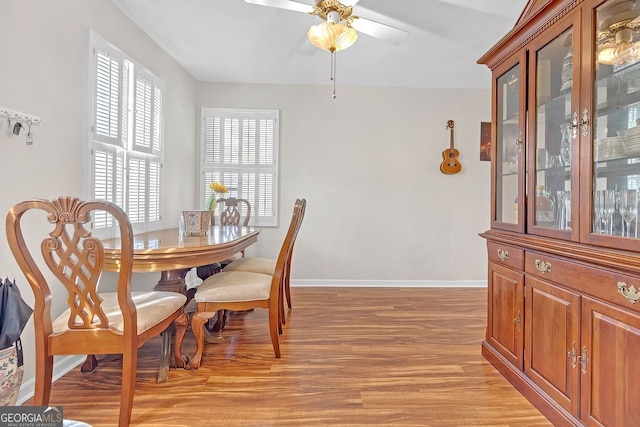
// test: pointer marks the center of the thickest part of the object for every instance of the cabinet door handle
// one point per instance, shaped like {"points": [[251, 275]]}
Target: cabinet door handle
{"points": [[518, 322], [584, 123], [542, 266], [583, 360], [503, 255], [630, 293], [574, 125], [573, 355]]}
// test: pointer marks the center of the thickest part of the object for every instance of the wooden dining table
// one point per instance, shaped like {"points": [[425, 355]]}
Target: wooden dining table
{"points": [[170, 252]]}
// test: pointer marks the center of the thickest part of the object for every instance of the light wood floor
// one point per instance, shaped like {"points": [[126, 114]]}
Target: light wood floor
{"points": [[350, 357]]}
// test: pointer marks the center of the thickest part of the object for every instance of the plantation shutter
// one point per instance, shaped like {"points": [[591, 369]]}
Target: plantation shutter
{"points": [[126, 138], [108, 181], [108, 94], [142, 115], [240, 150]]}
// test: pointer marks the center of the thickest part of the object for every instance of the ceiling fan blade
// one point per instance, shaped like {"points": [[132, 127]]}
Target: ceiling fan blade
{"points": [[380, 31], [349, 2], [283, 4]]}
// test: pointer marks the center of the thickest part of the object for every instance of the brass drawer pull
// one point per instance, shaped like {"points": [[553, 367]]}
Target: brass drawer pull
{"points": [[583, 360], [503, 255], [630, 293], [542, 266]]}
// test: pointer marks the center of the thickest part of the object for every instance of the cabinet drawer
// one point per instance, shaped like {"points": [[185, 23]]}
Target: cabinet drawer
{"points": [[506, 255], [617, 288]]}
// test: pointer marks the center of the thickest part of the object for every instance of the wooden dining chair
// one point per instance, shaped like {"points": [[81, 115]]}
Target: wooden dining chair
{"points": [[268, 265], [235, 211], [243, 290], [94, 322]]}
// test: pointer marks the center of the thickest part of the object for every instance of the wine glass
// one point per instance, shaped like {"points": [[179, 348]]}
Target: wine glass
{"points": [[609, 206], [628, 208], [598, 208], [555, 161]]}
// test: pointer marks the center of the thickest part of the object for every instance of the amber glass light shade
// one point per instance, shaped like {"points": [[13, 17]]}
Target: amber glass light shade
{"points": [[331, 36]]}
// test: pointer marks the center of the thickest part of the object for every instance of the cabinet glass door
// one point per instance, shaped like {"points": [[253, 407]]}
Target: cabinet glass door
{"points": [[616, 130], [556, 134], [508, 150]]}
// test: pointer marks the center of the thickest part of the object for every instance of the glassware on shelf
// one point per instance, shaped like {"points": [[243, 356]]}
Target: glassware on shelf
{"points": [[545, 208], [555, 161], [567, 72], [609, 207], [598, 212], [629, 210], [617, 229], [565, 144], [632, 140], [563, 215], [543, 159], [513, 164]]}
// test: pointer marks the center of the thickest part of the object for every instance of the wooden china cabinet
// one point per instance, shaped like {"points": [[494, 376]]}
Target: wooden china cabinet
{"points": [[564, 245]]}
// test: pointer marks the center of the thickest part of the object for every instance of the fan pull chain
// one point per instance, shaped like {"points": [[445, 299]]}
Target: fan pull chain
{"points": [[333, 72]]}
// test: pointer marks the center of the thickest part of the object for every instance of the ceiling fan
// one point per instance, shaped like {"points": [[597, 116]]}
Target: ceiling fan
{"points": [[340, 12], [338, 29]]}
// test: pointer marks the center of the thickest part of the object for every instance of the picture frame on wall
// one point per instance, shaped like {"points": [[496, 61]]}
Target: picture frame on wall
{"points": [[485, 141]]}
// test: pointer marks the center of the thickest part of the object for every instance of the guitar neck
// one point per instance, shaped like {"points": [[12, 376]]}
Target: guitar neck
{"points": [[450, 126]]}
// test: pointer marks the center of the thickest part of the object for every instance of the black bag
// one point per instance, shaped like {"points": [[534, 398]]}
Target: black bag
{"points": [[14, 313]]}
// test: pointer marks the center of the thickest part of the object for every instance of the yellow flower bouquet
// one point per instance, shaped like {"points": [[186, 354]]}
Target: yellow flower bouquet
{"points": [[216, 188]]}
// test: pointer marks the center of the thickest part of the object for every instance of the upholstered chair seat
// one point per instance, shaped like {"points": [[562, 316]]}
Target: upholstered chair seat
{"points": [[151, 307], [234, 286], [253, 264]]}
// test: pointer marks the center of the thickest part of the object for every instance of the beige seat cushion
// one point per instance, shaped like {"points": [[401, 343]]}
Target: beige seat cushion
{"points": [[234, 286], [253, 264], [152, 307]]}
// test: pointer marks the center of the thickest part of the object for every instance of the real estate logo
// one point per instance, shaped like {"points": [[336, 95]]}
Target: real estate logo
{"points": [[31, 416]]}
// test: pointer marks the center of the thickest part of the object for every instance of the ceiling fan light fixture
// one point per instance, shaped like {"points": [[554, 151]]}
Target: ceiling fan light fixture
{"points": [[621, 50], [606, 53], [332, 37]]}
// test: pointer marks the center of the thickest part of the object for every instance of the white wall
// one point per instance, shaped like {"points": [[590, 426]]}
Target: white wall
{"points": [[43, 72], [368, 164]]}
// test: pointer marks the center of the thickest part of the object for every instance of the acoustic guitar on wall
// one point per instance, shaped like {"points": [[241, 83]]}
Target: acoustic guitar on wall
{"points": [[450, 163]]}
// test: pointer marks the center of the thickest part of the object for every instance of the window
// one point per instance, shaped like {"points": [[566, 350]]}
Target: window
{"points": [[239, 148], [125, 136]]}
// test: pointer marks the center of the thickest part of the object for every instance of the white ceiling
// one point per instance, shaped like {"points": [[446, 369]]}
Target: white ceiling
{"points": [[233, 41]]}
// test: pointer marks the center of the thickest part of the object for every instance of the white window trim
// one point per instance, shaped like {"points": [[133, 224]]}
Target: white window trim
{"points": [[153, 154], [203, 190]]}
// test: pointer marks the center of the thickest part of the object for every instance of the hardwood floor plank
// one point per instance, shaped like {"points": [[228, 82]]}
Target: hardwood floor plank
{"points": [[350, 357]]}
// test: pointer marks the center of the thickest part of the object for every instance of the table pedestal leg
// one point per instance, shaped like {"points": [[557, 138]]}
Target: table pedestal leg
{"points": [[90, 364], [172, 281]]}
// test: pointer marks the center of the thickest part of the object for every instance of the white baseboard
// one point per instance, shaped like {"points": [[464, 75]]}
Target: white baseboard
{"points": [[389, 283], [60, 367]]}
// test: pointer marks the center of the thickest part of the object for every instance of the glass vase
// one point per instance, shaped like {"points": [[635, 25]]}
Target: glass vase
{"points": [[565, 144]]}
